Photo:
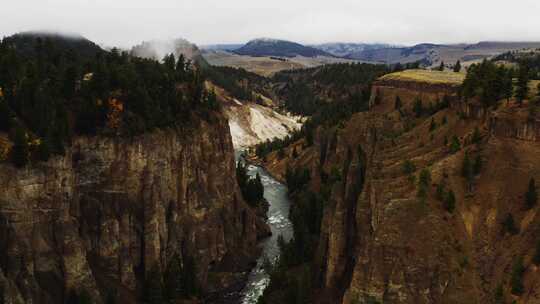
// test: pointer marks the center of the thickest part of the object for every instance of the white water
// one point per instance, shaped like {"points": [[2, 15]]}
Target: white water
{"points": [[278, 219]]}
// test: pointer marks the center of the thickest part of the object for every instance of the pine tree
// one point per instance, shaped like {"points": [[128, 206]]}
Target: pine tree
{"points": [[516, 280], [536, 256], [153, 288], [476, 137], [5, 116], [522, 84], [509, 225], [457, 67], [173, 280], [467, 168], [398, 103], [531, 196], [478, 163], [189, 277], [450, 201], [499, 295], [455, 145], [508, 87], [417, 107], [44, 149], [441, 67], [19, 152]]}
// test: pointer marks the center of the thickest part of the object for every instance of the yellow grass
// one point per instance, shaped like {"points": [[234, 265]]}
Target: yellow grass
{"points": [[427, 76]]}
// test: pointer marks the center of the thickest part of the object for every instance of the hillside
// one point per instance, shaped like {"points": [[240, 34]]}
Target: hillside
{"points": [[117, 181], [433, 54], [341, 49], [279, 48], [25, 43], [423, 199]]}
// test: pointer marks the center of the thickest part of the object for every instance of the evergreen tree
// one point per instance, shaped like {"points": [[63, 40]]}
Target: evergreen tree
{"points": [[467, 169], [439, 193], [441, 67], [499, 295], [516, 281], [417, 107], [508, 87], [44, 149], [536, 256], [455, 145], [19, 152], [189, 277], [457, 67], [173, 280], [522, 84], [509, 225], [531, 196], [478, 163], [476, 136], [450, 201], [398, 103], [153, 288], [5, 116]]}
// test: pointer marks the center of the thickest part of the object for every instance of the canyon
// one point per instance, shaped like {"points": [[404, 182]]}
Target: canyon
{"points": [[383, 240]]}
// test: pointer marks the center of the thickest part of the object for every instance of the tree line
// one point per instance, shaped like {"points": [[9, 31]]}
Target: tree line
{"points": [[51, 92]]}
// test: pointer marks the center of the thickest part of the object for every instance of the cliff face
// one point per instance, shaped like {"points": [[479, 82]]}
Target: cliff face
{"points": [[382, 243], [112, 209]]}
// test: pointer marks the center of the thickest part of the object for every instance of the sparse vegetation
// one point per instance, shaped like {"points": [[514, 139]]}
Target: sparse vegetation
{"points": [[455, 145]]}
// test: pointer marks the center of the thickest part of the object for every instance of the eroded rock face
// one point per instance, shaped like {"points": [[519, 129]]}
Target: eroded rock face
{"points": [[111, 209], [381, 243]]}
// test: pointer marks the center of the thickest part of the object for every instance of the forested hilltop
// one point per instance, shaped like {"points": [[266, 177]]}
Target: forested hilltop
{"points": [[118, 178], [54, 87]]}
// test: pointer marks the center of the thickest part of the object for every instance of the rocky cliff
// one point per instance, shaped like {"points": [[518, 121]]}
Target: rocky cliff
{"points": [[385, 240], [111, 209]]}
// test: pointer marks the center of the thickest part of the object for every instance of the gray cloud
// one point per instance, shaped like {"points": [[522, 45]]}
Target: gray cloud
{"points": [[128, 22]]}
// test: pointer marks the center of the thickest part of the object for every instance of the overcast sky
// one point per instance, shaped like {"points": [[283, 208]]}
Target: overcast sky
{"points": [[127, 22]]}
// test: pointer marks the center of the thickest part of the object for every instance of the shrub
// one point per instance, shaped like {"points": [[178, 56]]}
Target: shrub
{"points": [[455, 145]]}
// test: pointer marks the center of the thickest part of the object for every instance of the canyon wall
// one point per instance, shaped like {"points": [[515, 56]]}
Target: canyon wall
{"points": [[384, 242], [111, 209]]}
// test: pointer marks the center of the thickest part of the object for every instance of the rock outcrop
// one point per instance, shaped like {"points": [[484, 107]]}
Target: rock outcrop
{"points": [[111, 209], [382, 241]]}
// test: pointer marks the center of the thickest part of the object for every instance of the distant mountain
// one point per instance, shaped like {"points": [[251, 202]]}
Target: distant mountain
{"points": [[430, 54], [341, 49], [157, 49], [221, 47], [278, 48], [26, 43]]}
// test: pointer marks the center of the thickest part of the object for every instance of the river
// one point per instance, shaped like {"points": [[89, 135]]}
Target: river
{"points": [[278, 219]]}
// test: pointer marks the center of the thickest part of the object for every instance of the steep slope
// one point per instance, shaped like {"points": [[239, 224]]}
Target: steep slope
{"points": [[281, 48], [387, 238], [253, 122], [112, 210]]}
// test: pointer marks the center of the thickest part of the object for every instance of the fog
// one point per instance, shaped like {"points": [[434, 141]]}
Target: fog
{"points": [[128, 22]]}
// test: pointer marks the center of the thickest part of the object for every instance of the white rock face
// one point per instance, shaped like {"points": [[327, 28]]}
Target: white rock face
{"points": [[251, 124]]}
